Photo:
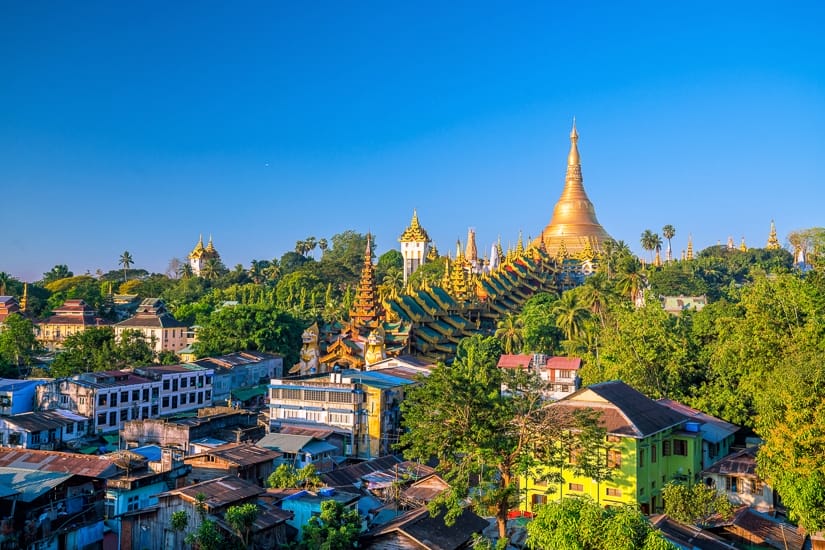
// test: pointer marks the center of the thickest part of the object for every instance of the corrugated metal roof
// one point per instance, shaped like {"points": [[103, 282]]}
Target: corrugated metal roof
{"points": [[51, 461], [29, 484]]}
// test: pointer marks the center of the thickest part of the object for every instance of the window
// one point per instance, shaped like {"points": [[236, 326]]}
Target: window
{"points": [[136, 395], [208, 380], [538, 499], [666, 448], [730, 484], [339, 397], [165, 402], [653, 454], [155, 393], [132, 504], [315, 395], [64, 399], [101, 419], [101, 400], [81, 400], [208, 395], [192, 381], [35, 437], [613, 492], [641, 491], [339, 418], [575, 453], [614, 439], [565, 388], [200, 398], [175, 384], [680, 447], [154, 410], [124, 415], [614, 458], [145, 412], [69, 428], [291, 394], [756, 486], [641, 458], [112, 399], [166, 384], [124, 396], [575, 487], [174, 401], [183, 399], [183, 382], [191, 397], [113, 418]]}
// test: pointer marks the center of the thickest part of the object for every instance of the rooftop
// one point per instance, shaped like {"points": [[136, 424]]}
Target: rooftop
{"points": [[242, 454], [52, 461], [713, 429], [220, 492]]}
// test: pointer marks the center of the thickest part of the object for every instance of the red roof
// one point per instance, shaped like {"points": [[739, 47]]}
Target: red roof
{"points": [[568, 363], [514, 361]]}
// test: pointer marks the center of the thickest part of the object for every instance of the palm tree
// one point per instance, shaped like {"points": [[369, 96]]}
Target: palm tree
{"points": [[632, 279], [185, 270], [126, 261], [669, 232], [211, 269], [648, 242], [323, 244], [272, 271], [509, 331], [596, 294], [311, 243], [571, 314]]}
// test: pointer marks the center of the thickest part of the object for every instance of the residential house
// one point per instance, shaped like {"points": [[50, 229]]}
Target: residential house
{"points": [[140, 481], [244, 460], [45, 430], [646, 446], [689, 537], [72, 317], [183, 388], [306, 504], [418, 530], [735, 477], [363, 403], [301, 450], [242, 376], [752, 529], [717, 435], [108, 398], [17, 396], [158, 326], [8, 305], [151, 527], [560, 374], [220, 423], [52, 499]]}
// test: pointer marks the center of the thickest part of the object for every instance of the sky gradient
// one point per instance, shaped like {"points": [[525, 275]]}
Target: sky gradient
{"points": [[139, 126]]}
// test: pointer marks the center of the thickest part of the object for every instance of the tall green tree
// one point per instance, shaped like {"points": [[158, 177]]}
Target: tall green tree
{"points": [[539, 330], [570, 313], [460, 416], [648, 241], [60, 271], [125, 262], [695, 504], [18, 345], [668, 231], [242, 518], [509, 332]]}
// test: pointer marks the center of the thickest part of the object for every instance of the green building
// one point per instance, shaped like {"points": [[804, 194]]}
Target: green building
{"points": [[647, 445]]}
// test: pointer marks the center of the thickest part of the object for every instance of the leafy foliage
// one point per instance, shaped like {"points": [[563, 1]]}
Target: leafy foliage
{"points": [[96, 349], [242, 517], [286, 476], [581, 524], [695, 504], [336, 528]]}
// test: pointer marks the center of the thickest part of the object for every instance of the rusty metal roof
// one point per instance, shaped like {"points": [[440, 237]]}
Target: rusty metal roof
{"points": [[52, 461]]}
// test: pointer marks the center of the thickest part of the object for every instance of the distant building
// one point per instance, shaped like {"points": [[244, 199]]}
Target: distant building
{"points": [[735, 477], [8, 305], [17, 396], [43, 430], [72, 317], [160, 329], [677, 304], [560, 374], [301, 450], [244, 460], [202, 255], [242, 375], [183, 388], [717, 435], [306, 504]]}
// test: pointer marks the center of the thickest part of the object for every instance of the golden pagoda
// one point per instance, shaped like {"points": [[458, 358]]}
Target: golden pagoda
{"points": [[574, 217], [689, 254], [742, 246], [773, 242], [366, 309], [471, 251]]}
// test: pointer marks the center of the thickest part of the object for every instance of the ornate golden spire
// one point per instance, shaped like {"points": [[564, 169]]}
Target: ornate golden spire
{"points": [[657, 261], [197, 252], [445, 279], [520, 244], [24, 300], [366, 308], [574, 216], [773, 242], [414, 233], [742, 246], [470, 251], [432, 255], [689, 253]]}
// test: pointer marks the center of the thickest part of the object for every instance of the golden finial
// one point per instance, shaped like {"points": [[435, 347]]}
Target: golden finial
{"points": [[573, 157], [445, 280], [773, 242], [520, 245], [689, 254], [24, 300], [414, 233]]}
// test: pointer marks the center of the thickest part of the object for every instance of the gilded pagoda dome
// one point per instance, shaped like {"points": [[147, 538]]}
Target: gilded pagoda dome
{"points": [[573, 226], [198, 251], [414, 233]]}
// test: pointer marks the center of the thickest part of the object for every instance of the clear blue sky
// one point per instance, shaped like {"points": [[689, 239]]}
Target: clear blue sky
{"points": [[139, 125]]}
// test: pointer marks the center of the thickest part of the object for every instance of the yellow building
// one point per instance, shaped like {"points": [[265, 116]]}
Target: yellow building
{"points": [[72, 317]]}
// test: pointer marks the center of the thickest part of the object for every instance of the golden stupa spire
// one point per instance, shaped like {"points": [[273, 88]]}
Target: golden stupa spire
{"points": [[414, 233], [520, 243], [742, 246], [773, 242], [24, 300], [574, 216], [689, 253], [470, 251], [657, 261], [445, 279], [197, 252]]}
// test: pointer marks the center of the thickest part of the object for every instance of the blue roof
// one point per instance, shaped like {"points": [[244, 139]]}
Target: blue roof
{"points": [[151, 452]]}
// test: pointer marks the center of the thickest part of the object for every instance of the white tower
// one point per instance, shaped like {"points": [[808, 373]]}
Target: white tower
{"points": [[415, 244]]}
